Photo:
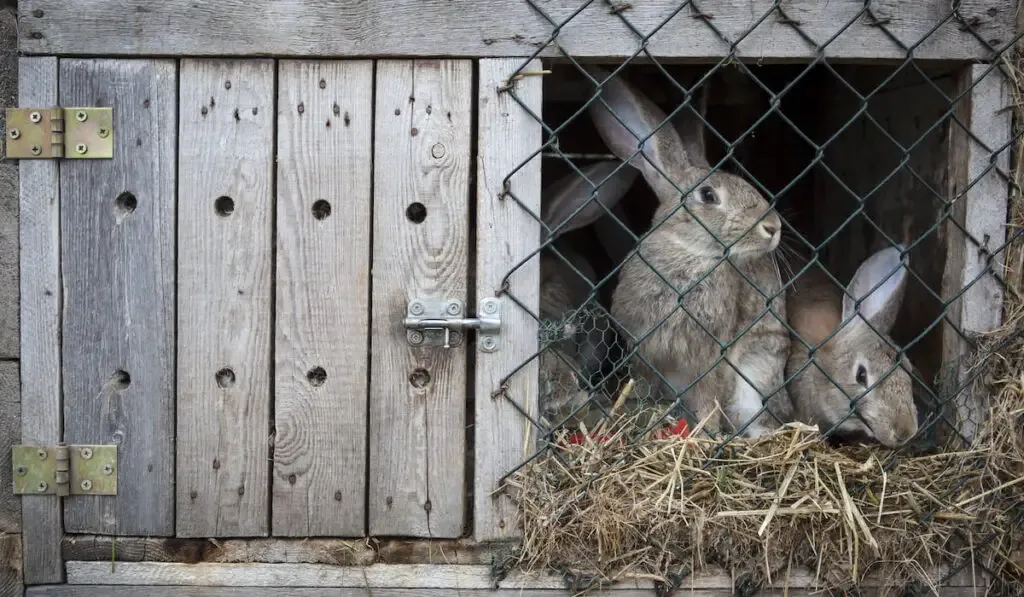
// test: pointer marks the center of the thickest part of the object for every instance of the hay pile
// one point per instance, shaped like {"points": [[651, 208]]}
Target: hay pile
{"points": [[663, 508]]}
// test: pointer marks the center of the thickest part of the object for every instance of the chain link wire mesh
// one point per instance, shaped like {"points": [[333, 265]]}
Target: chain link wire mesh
{"points": [[593, 364]]}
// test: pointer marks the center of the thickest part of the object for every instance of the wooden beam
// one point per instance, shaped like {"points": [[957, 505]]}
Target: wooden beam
{"points": [[11, 560], [493, 28], [324, 172], [117, 264], [979, 160], [10, 434], [42, 517], [508, 136], [225, 264]]}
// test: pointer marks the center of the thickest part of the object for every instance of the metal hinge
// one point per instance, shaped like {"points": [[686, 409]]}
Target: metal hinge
{"points": [[72, 133], [440, 322], [65, 470]]}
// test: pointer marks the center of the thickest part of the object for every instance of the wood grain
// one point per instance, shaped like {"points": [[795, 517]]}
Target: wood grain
{"points": [[975, 234], [225, 297], [117, 266], [10, 434], [42, 516], [11, 578], [508, 136], [150, 591], [324, 169], [495, 28], [417, 422]]}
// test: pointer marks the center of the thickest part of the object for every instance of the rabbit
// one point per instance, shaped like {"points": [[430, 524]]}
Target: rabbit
{"points": [[583, 346], [681, 251], [856, 357]]}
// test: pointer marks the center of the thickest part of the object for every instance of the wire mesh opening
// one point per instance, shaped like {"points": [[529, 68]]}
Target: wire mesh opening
{"points": [[733, 252]]}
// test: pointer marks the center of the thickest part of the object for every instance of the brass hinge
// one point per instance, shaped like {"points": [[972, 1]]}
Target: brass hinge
{"points": [[65, 470], [72, 133]]}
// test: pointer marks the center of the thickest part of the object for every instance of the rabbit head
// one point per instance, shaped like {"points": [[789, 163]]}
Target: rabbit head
{"points": [[863, 363], [719, 208]]}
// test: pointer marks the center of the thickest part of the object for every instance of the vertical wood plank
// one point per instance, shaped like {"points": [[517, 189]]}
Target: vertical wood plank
{"points": [[11, 560], [224, 309], [117, 266], [981, 196], [508, 136], [324, 135], [39, 232], [10, 434], [417, 410]]}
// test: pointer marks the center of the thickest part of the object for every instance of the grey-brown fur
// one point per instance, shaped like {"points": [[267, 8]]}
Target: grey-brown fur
{"points": [[679, 251], [817, 306]]}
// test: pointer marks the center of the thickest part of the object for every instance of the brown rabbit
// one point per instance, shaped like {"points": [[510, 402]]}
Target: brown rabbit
{"points": [[584, 335], [856, 357], [679, 332]]}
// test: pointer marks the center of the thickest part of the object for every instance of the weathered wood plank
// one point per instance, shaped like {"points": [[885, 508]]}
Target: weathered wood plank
{"points": [[117, 265], [224, 290], [11, 578], [325, 128], [119, 591], [420, 249], [9, 334], [42, 516], [980, 193], [496, 28], [507, 136], [10, 434]]}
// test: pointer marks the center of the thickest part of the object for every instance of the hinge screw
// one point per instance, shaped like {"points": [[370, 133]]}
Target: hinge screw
{"points": [[14, 133], [490, 307], [35, 116], [22, 471], [453, 308], [455, 338], [81, 116], [36, 150], [87, 453], [108, 469], [488, 343], [41, 454], [86, 485], [41, 487], [416, 308], [415, 337], [81, 148], [103, 133]]}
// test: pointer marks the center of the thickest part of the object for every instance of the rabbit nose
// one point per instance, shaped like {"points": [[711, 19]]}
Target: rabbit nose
{"points": [[769, 229]]}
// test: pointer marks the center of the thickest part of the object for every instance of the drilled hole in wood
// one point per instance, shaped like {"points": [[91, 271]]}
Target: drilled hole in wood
{"points": [[419, 378], [224, 206], [316, 376], [416, 212], [321, 209], [225, 377], [126, 202], [120, 380]]}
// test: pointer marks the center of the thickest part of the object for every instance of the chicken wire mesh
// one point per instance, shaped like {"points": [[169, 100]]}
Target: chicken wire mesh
{"points": [[707, 312]]}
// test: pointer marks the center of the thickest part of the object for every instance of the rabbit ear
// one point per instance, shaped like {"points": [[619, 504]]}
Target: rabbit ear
{"points": [[691, 129], [629, 118], [568, 194], [881, 306]]}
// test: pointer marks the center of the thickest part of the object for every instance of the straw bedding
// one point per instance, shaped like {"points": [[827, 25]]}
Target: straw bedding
{"points": [[661, 508]]}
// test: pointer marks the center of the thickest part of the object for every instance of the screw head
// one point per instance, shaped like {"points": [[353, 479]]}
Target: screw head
{"points": [[488, 343], [36, 150], [490, 307], [454, 338], [41, 487], [454, 308], [103, 133], [35, 116], [14, 133], [86, 453], [416, 308], [86, 485], [108, 469], [81, 148], [415, 337], [81, 116], [41, 454], [21, 471]]}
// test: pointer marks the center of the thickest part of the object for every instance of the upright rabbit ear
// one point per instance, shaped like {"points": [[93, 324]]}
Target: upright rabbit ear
{"points": [[629, 118], [881, 305], [600, 184], [692, 132]]}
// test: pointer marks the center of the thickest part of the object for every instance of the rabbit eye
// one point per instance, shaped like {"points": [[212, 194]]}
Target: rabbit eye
{"points": [[862, 376], [708, 195]]}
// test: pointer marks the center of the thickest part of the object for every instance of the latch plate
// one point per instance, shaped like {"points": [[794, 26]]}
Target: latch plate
{"points": [[432, 322], [64, 470], [72, 133]]}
